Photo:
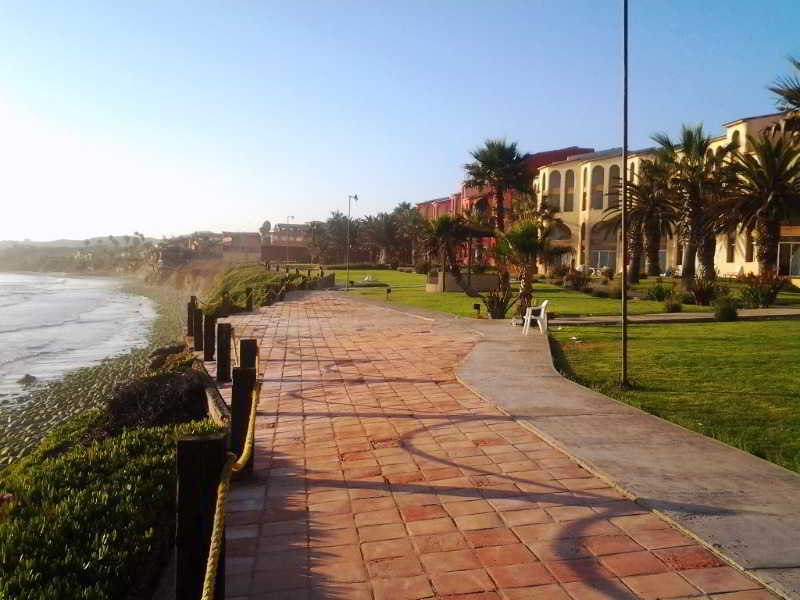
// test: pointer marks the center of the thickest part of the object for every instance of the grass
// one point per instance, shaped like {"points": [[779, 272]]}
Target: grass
{"points": [[786, 298], [707, 377]]}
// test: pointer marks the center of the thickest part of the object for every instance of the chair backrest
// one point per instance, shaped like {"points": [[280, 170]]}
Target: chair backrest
{"points": [[544, 308]]}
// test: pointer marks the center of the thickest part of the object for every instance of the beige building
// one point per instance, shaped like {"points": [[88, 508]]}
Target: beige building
{"points": [[582, 187]]}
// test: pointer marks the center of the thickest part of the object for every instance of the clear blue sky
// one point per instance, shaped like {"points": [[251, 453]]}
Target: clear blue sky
{"points": [[168, 117]]}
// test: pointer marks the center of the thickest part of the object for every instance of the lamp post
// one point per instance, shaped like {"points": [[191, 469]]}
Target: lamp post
{"points": [[347, 250], [287, 239], [624, 375]]}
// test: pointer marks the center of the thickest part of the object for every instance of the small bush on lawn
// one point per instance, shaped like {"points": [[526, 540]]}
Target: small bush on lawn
{"points": [[615, 290], [600, 293], [607, 273], [406, 269], [673, 304], [726, 309], [705, 291], [659, 291], [423, 267], [577, 280], [559, 271], [761, 290]]}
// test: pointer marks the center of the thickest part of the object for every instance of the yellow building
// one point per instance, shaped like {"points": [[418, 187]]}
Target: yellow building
{"points": [[582, 187]]}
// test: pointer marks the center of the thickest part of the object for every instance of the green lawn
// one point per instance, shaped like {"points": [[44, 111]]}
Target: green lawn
{"points": [[737, 382], [784, 298]]}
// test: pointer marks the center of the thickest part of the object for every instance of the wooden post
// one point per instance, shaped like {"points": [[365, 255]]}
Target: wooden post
{"points": [[244, 381], [197, 331], [199, 465], [248, 303], [248, 353], [190, 308], [209, 337], [224, 335]]}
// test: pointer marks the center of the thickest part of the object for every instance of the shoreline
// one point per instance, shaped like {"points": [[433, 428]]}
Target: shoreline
{"points": [[86, 388]]}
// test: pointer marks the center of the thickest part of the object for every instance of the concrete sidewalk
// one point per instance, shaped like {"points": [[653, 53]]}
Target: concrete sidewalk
{"points": [[745, 314], [746, 509]]}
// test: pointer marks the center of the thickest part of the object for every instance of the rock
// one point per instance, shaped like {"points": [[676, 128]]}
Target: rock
{"points": [[160, 355], [28, 379]]}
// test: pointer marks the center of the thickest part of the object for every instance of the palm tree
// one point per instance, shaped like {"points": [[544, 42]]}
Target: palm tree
{"points": [[766, 192], [522, 245], [498, 167], [444, 234], [698, 179], [652, 214], [787, 90], [411, 226]]}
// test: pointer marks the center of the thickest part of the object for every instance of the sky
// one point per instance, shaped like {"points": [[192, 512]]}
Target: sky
{"points": [[167, 117]]}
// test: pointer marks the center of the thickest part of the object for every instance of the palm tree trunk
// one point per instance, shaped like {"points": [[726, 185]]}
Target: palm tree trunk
{"points": [[653, 245], [469, 261], [688, 270], [636, 249], [500, 209], [526, 288], [769, 234], [707, 249]]}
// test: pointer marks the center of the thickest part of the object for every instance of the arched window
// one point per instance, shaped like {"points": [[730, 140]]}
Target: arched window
{"points": [[614, 186], [735, 140], [569, 191], [584, 185], [554, 193], [598, 177]]}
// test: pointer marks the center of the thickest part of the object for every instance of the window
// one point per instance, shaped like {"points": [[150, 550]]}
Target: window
{"points": [[789, 259], [598, 177], [735, 140], [554, 193], [569, 191], [748, 248], [730, 248], [614, 186], [679, 254], [602, 258], [584, 183]]}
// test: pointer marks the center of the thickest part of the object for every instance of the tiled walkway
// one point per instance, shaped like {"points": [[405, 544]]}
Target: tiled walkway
{"points": [[378, 475]]}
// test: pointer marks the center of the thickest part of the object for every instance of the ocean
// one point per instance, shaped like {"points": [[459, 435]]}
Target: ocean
{"points": [[52, 324]]}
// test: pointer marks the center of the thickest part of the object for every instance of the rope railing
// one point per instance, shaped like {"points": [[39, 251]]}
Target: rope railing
{"points": [[232, 465]]}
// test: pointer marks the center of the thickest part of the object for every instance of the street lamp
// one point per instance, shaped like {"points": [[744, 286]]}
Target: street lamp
{"points": [[347, 250], [287, 240], [623, 380]]}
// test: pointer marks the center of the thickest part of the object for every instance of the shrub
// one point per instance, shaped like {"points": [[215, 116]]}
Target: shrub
{"points": [[559, 271], [705, 291], [726, 309], [559, 281], [406, 269], [615, 290], [659, 291], [673, 304], [577, 280], [423, 267], [498, 302], [761, 290], [394, 264], [608, 273], [600, 293]]}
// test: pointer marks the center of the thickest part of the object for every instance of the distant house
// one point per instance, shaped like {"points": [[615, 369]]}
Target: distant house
{"points": [[241, 246], [288, 241]]}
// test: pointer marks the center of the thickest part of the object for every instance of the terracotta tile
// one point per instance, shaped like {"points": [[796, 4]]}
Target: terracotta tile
{"points": [[387, 549], [475, 596], [599, 589], [439, 542], [490, 537], [578, 569], [462, 582], [371, 504], [551, 531], [334, 537], [453, 560], [514, 518], [719, 579], [688, 557], [422, 513], [374, 533], [571, 513], [660, 538], [600, 545], [661, 585], [551, 591], [560, 549], [512, 554], [405, 566], [270, 581], [469, 507], [633, 563], [329, 590], [430, 526], [640, 522], [402, 588], [747, 595], [479, 521], [377, 517], [347, 553], [513, 576], [295, 559]]}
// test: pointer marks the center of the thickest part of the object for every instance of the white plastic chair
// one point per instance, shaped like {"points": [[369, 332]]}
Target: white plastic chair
{"points": [[540, 318]]}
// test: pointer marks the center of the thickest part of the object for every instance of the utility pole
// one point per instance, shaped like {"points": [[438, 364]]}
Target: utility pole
{"points": [[347, 250], [288, 232], [624, 375]]}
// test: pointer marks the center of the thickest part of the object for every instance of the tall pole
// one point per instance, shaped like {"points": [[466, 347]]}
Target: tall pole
{"points": [[347, 250], [288, 231], [624, 376]]}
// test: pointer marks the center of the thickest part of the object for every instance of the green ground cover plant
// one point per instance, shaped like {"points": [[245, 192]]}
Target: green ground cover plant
{"points": [[708, 377]]}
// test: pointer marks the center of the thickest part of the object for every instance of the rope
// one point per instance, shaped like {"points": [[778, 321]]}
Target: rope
{"points": [[232, 465]]}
